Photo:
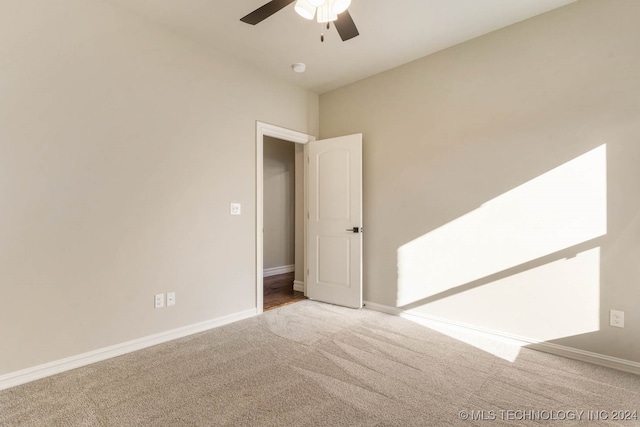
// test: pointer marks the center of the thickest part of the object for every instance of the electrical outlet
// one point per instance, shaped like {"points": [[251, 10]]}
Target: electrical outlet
{"points": [[171, 299], [235, 209], [159, 300], [616, 318]]}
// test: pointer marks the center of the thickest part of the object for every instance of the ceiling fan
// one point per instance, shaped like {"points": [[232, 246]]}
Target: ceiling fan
{"points": [[327, 11]]}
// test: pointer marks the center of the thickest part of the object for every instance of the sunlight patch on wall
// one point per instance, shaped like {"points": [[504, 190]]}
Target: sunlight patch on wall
{"points": [[560, 209], [556, 300]]}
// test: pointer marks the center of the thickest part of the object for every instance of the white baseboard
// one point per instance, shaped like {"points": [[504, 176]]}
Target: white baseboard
{"points": [[41, 371], [274, 271], [298, 285], [559, 350]]}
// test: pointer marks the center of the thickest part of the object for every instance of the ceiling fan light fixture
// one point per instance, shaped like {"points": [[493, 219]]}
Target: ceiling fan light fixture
{"points": [[340, 6], [326, 13], [305, 9]]}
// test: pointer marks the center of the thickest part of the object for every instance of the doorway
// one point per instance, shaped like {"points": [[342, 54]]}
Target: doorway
{"points": [[264, 132], [282, 186]]}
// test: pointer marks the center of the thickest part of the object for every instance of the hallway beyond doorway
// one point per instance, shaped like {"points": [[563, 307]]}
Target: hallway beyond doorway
{"points": [[278, 291]]}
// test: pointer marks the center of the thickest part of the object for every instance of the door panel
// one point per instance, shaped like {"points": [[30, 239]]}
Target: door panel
{"points": [[335, 208], [334, 252], [333, 188]]}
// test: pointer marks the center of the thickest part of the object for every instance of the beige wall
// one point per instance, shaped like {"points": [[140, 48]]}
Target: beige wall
{"points": [[121, 148], [501, 178], [279, 202]]}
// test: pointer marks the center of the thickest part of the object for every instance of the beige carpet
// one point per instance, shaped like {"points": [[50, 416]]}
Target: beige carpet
{"points": [[320, 365]]}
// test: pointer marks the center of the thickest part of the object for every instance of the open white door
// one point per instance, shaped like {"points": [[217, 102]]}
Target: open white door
{"points": [[334, 244]]}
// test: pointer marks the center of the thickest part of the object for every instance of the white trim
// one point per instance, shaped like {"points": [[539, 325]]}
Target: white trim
{"points": [[559, 350], [382, 308], [13, 379], [274, 271], [298, 285], [262, 130]]}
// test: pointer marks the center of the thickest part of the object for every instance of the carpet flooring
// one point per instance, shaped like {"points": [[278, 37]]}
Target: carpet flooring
{"points": [[313, 364]]}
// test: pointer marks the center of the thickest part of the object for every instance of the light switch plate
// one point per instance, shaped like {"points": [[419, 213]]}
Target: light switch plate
{"points": [[236, 209], [171, 299]]}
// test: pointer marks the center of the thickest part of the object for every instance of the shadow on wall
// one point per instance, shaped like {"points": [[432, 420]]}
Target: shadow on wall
{"points": [[526, 263]]}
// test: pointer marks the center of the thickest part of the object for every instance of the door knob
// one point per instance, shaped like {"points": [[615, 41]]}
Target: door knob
{"points": [[356, 229]]}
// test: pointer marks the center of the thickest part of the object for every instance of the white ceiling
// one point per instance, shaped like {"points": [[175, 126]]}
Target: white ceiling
{"points": [[392, 32]]}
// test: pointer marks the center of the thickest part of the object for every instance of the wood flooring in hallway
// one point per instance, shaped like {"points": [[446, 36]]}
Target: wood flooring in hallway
{"points": [[278, 291]]}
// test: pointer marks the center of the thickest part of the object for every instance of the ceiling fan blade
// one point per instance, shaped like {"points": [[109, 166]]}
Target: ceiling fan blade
{"points": [[265, 11], [345, 26]]}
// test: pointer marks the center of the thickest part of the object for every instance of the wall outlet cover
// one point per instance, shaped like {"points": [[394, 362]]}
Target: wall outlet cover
{"points": [[159, 300], [616, 318]]}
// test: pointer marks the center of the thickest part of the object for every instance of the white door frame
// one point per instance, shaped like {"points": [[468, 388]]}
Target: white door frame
{"points": [[262, 130]]}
